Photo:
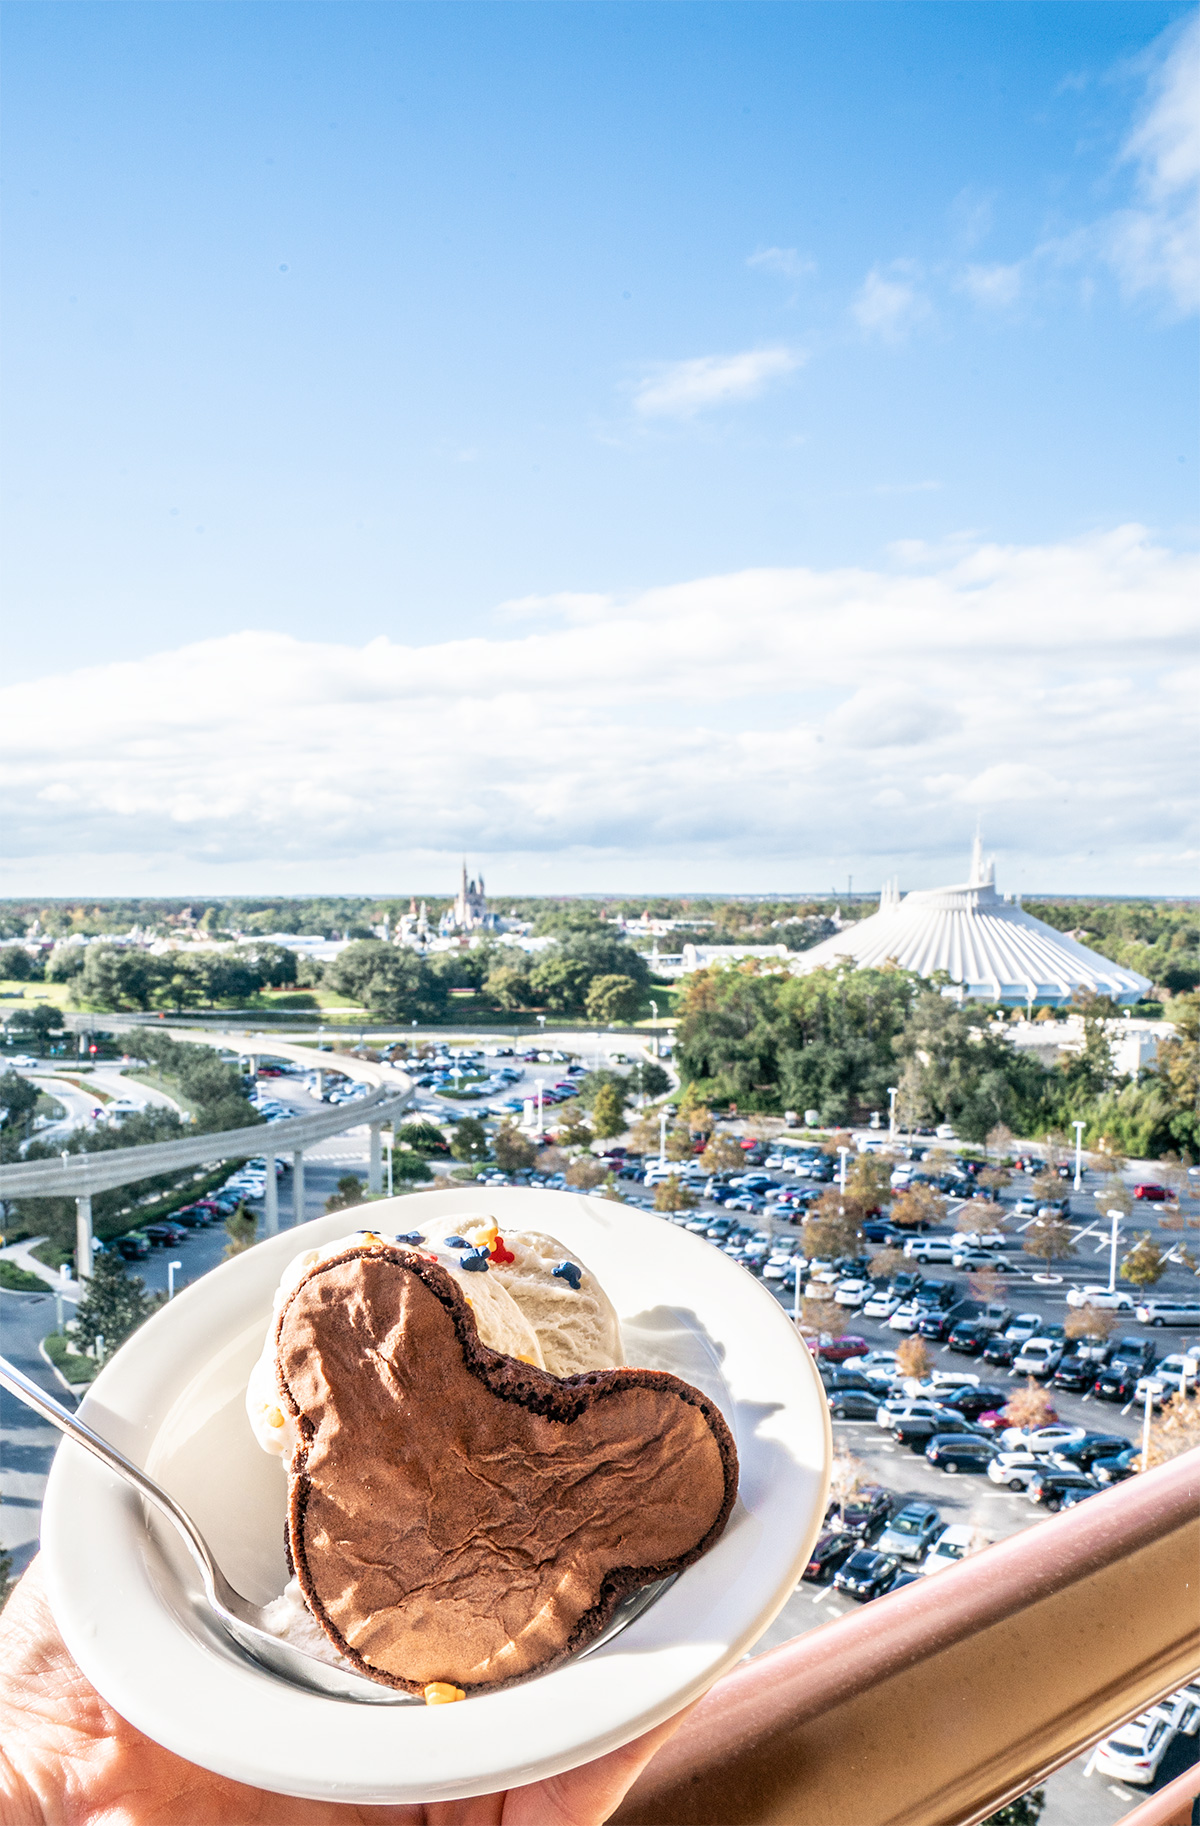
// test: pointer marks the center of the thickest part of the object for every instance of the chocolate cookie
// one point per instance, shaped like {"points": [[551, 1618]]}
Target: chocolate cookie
{"points": [[456, 1515]]}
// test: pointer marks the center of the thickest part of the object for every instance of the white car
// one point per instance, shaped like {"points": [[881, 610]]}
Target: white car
{"points": [[906, 1317], [1101, 1299], [980, 1239], [1176, 1370], [1155, 1387], [1135, 1752], [952, 1544], [953, 1379], [1038, 1357], [1026, 1325], [902, 1408], [1013, 1470], [881, 1306], [879, 1365], [1039, 1439], [851, 1293], [1169, 1312], [929, 1249]]}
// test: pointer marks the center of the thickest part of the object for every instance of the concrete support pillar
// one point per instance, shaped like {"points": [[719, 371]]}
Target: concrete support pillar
{"points": [[375, 1169], [83, 1237], [298, 1186], [271, 1198]]}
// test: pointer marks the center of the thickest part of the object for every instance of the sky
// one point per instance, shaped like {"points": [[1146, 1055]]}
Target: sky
{"points": [[680, 448]]}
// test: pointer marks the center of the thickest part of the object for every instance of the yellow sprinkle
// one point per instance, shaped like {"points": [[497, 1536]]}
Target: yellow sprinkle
{"points": [[274, 1417], [532, 1361], [371, 1236], [441, 1693], [312, 1256], [487, 1233]]}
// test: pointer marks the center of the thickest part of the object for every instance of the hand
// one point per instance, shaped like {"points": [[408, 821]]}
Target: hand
{"points": [[67, 1759]]}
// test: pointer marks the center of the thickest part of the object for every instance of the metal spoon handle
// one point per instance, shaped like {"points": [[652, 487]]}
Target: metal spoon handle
{"points": [[20, 1385]]}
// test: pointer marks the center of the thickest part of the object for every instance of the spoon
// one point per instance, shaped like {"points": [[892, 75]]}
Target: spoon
{"points": [[242, 1621]]}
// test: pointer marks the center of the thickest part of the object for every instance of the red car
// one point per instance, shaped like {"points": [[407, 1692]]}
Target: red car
{"points": [[1156, 1194], [840, 1348]]}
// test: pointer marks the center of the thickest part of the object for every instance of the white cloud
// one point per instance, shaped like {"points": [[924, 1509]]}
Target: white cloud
{"points": [[1155, 245], [772, 722], [996, 286], [889, 304], [786, 261], [680, 389]]}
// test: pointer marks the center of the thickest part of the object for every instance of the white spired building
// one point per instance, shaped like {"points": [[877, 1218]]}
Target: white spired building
{"points": [[989, 947]]}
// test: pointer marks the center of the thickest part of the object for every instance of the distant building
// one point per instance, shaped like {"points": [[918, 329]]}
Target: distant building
{"points": [[469, 912], [988, 946]]}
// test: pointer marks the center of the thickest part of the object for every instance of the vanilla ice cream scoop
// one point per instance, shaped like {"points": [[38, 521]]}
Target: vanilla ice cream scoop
{"points": [[557, 1294], [502, 1325]]}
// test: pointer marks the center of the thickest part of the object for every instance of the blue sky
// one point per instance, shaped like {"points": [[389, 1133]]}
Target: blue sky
{"points": [[342, 325]]}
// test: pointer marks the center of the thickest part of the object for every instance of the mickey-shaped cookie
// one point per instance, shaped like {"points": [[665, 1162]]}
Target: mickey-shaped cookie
{"points": [[456, 1515]]}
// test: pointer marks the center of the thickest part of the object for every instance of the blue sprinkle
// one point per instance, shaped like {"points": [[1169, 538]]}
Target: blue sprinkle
{"points": [[475, 1261], [457, 1242], [569, 1272], [411, 1236]]}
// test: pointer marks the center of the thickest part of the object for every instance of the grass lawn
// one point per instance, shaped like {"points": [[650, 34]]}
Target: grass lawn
{"points": [[15, 995], [167, 1086], [75, 1369], [19, 1280]]}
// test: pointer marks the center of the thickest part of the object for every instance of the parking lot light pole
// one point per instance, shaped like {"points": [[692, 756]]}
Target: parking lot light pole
{"points": [[892, 1093], [662, 1138], [171, 1267], [541, 1084], [1078, 1128], [1116, 1217], [1152, 1389], [654, 1030]]}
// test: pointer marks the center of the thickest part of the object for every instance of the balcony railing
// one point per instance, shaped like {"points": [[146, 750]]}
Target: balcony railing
{"points": [[933, 1706]]}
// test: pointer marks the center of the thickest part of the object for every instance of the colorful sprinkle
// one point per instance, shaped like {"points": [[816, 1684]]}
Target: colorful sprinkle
{"points": [[475, 1261], [457, 1242], [501, 1254], [441, 1693], [571, 1273], [410, 1236]]}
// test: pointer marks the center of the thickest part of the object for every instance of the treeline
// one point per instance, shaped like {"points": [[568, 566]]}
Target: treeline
{"points": [[115, 977], [839, 1041], [1159, 939]]}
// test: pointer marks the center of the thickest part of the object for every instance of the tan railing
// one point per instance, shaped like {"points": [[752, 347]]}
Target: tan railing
{"points": [[935, 1705]]}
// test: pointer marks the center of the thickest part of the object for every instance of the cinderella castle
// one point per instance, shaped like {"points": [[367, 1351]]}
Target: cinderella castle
{"points": [[469, 912]]}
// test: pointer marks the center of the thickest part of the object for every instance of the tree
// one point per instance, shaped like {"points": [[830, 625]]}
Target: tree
{"points": [[1050, 1239], [869, 1179], [994, 1179], [470, 1140], [64, 963], [679, 1142], [673, 1195], [831, 1229], [573, 1129], [913, 1358], [722, 1155], [408, 1165], [1026, 1810], [116, 977], [560, 983], [887, 1262], [392, 983], [999, 1142], [349, 1193], [643, 1138], [423, 1137], [114, 1304], [649, 1079], [1176, 1430], [986, 1285], [1093, 1322], [1032, 1406], [18, 1099], [242, 1231], [17, 966], [42, 1021], [508, 986], [512, 1150], [918, 1205], [608, 1112], [1145, 1264], [612, 998], [585, 1173], [1115, 1195], [845, 1477]]}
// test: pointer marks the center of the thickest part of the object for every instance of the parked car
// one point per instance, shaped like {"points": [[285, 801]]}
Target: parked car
{"points": [[880, 1305], [833, 1547], [193, 1216], [1155, 1195], [953, 1452], [987, 1259], [1075, 1373], [969, 1338], [1101, 1299], [974, 1399], [853, 1404], [917, 1431], [1049, 1485], [1047, 1438], [909, 1532], [1168, 1312], [839, 1350], [133, 1246], [851, 1293], [1134, 1753], [166, 1233], [896, 1408], [1084, 1452], [1039, 1357], [1000, 1352], [949, 1547], [1116, 1382], [1013, 1469], [929, 1248], [1116, 1469], [866, 1573], [1139, 1353], [1026, 1325], [867, 1513]]}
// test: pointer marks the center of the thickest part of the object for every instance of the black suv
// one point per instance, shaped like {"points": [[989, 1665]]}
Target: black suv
{"points": [[1075, 1373], [959, 1452], [1117, 1382], [866, 1574], [1050, 1486], [832, 1547], [1000, 1351], [971, 1402], [868, 1512], [918, 1431], [1084, 1452], [969, 1338], [1136, 1352], [936, 1325]]}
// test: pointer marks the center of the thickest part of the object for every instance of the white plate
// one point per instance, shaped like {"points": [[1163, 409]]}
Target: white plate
{"points": [[172, 1399]]}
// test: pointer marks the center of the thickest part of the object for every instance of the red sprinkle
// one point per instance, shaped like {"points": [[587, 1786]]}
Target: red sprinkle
{"points": [[500, 1253]]}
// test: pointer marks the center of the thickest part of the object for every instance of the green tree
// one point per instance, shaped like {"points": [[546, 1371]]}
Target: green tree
{"points": [[1026, 1810], [648, 1079], [44, 1022], [349, 1193], [393, 984], [64, 963], [470, 1140], [18, 966], [6, 1577], [674, 1195], [919, 1204], [424, 1137], [114, 977], [508, 986], [559, 983], [407, 1165], [18, 1099], [613, 998], [608, 1112], [114, 1304], [513, 1151], [722, 1154], [1145, 1264]]}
